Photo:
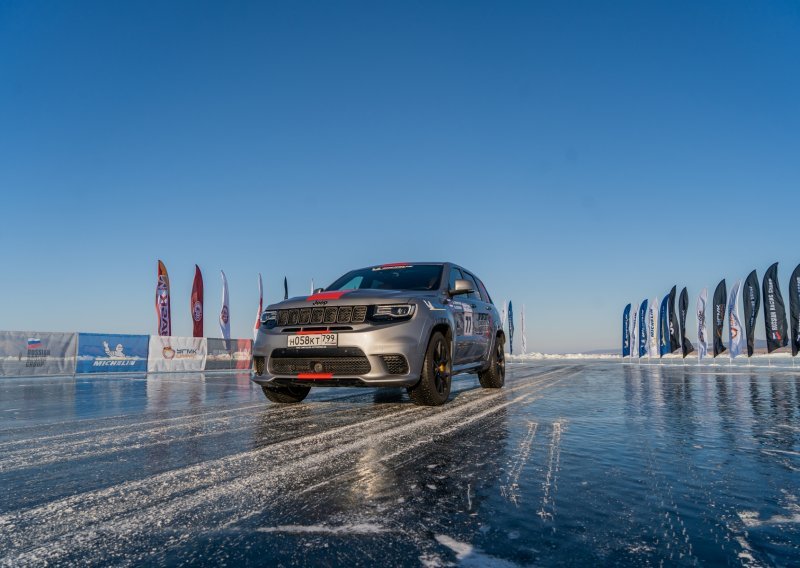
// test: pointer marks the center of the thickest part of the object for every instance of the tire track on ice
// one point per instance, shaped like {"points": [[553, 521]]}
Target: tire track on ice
{"points": [[234, 484], [510, 489], [550, 484], [138, 439]]}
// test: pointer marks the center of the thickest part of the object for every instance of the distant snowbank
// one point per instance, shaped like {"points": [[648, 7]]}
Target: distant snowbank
{"points": [[762, 357], [542, 356]]}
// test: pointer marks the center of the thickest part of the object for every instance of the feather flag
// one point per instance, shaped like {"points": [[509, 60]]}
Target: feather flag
{"points": [[735, 336], [162, 301], [643, 329], [752, 302], [702, 342], [794, 309], [634, 320], [652, 329], [312, 287], [196, 303], [626, 331], [683, 309], [510, 328], [285, 289], [260, 305], [224, 313], [774, 310], [524, 338], [718, 306], [663, 328], [674, 331]]}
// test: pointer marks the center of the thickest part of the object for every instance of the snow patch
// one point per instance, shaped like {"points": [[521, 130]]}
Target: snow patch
{"points": [[358, 528], [469, 556]]}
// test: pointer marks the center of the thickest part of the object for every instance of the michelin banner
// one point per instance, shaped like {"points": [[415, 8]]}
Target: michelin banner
{"points": [[112, 353], [34, 353], [231, 354], [169, 354]]}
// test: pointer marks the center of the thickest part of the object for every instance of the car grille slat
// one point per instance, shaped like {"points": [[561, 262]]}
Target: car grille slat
{"points": [[328, 315], [341, 366], [345, 313], [359, 314]]}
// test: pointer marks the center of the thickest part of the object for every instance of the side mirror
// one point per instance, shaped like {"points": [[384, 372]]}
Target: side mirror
{"points": [[318, 290], [461, 287]]}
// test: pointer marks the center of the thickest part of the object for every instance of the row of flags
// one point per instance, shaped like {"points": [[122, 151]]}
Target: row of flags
{"points": [[651, 332], [163, 307]]}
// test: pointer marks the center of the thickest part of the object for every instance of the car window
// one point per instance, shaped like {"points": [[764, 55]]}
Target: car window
{"points": [[484, 293], [353, 284], [474, 294], [391, 277], [455, 274]]}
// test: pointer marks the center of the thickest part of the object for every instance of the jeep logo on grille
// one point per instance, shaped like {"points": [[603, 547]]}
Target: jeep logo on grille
{"points": [[320, 303]]}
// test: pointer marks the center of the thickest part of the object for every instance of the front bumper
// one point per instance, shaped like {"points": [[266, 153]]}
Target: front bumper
{"points": [[364, 348]]}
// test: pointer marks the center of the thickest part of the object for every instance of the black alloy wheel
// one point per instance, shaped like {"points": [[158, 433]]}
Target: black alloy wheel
{"points": [[433, 387], [494, 376]]}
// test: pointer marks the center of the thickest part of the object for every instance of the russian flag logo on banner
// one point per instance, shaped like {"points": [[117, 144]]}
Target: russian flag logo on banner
{"points": [[34, 343]]}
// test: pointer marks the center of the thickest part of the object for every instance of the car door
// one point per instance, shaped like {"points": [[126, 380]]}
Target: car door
{"points": [[481, 320], [462, 333]]}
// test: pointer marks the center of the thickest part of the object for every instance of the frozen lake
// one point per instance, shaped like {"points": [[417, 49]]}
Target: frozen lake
{"points": [[573, 463]]}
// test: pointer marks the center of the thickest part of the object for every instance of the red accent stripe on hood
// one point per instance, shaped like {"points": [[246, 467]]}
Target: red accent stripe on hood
{"points": [[315, 376], [393, 264], [327, 295]]}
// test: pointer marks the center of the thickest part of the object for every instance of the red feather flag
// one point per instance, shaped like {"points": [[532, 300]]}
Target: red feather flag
{"points": [[196, 303]]}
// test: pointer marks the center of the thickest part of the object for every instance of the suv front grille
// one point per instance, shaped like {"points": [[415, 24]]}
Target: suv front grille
{"points": [[329, 315], [335, 365]]}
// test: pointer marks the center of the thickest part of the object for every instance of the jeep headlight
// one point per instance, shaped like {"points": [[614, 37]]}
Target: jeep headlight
{"points": [[269, 318], [392, 312]]}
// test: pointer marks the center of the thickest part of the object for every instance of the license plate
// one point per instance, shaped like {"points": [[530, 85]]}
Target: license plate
{"points": [[314, 340]]}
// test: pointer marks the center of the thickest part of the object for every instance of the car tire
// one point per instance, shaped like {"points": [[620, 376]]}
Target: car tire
{"points": [[285, 395], [433, 388], [494, 377]]}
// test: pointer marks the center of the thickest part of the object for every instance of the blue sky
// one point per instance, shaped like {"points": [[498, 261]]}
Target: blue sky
{"points": [[575, 155]]}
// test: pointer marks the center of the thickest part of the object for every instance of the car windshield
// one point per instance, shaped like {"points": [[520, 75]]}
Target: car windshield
{"points": [[391, 277]]}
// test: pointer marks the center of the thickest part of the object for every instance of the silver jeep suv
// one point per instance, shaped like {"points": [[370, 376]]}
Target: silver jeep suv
{"points": [[412, 325]]}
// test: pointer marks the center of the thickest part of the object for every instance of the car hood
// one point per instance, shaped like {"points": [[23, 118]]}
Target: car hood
{"points": [[352, 297]]}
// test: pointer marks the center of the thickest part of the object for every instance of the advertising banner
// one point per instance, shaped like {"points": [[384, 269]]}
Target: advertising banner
{"points": [[168, 354], [774, 311], [163, 313], [112, 353], [663, 328], [735, 337], [718, 307], [752, 302], [225, 312], [196, 303], [231, 354], [683, 310], [674, 327], [643, 329], [35, 353], [702, 342], [260, 306], [652, 331], [794, 309]]}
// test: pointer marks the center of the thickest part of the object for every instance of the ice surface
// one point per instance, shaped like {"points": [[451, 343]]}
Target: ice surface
{"points": [[575, 461]]}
